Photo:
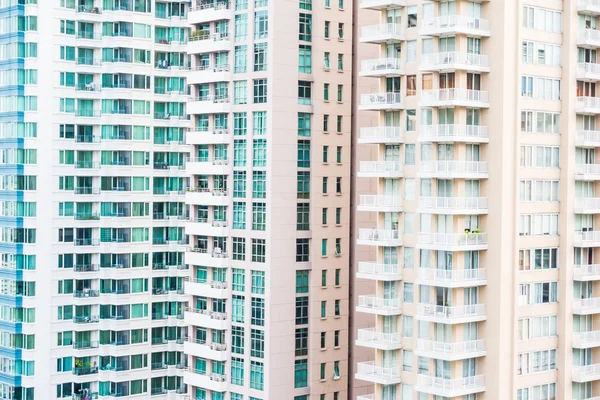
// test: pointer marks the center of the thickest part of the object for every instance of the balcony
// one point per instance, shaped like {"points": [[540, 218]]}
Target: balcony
{"points": [[381, 4], [452, 241], [206, 42], [207, 197], [586, 239], [206, 380], [451, 314], [587, 172], [586, 340], [206, 74], [587, 138], [455, 24], [381, 135], [200, 256], [450, 387], [366, 397], [588, 72], [588, 7], [200, 136], [450, 351], [380, 169], [587, 205], [369, 372], [207, 12], [377, 340], [202, 349], [208, 105], [456, 278], [587, 306], [202, 226], [206, 318], [212, 289], [454, 169], [453, 61], [382, 33], [207, 166], [379, 272], [589, 272], [586, 373], [381, 67], [587, 105], [379, 203], [371, 304], [379, 237], [454, 133], [381, 101], [454, 97], [590, 39], [453, 205]]}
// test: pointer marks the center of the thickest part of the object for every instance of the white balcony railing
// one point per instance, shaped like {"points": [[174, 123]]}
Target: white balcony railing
{"points": [[369, 368], [445, 203], [374, 32], [581, 339], [381, 134], [454, 167], [587, 203], [380, 65], [586, 373], [450, 385], [588, 103], [370, 335], [590, 35], [453, 239], [451, 349], [452, 276], [387, 99], [582, 137], [585, 68], [589, 237], [451, 312], [454, 22], [590, 271], [587, 169], [586, 305], [383, 201], [380, 167], [446, 132], [443, 60], [379, 235], [380, 270], [379, 303], [454, 94]]}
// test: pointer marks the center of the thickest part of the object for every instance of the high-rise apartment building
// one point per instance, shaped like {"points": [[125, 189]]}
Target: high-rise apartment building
{"points": [[269, 199], [486, 203], [92, 128]]}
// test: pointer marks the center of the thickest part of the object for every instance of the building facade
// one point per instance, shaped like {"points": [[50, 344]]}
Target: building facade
{"points": [[485, 130], [269, 199]]}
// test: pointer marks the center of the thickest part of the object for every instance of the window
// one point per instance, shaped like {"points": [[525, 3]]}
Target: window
{"points": [[306, 4], [305, 59], [237, 371], [338, 273], [338, 155], [537, 327], [538, 293], [325, 123], [305, 27], [324, 184], [259, 216], [325, 154], [259, 183], [340, 62], [304, 124], [408, 292], [300, 373], [336, 339], [411, 120], [324, 216], [323, 340], [539, 190], [260, 56], [258, 250], [340, 31], [326, 61], [257, 375], [338, 125], [304, 92], [542, 19], [541, 53], [407, 360], [260, 91], [239, 278], [301, 342], [407, 326], [540, 156], [239, 249], [303, 185], [336, 308], [326, 32], [538, 259], [259, 152], [258, 311], [540, 392], [326, 91], [338, 185], [261, 24], [322, 372], [302, 250], [303, 153], [541, 88], [409, 154], [303, 216], [258, 282], [536, 361], [411, 51], [538, 224], [411, 85], [340, 92], [302, 281], [240, 92], [338, 216], [323, 309], [240, 59], [412, 16], [240, 27], [301, 310]]}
